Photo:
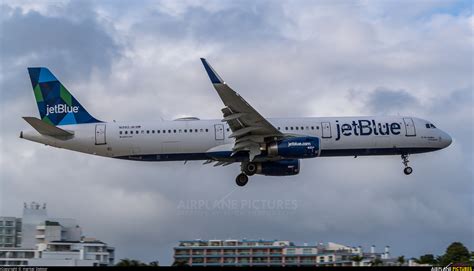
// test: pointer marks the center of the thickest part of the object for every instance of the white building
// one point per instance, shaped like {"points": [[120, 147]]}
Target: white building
{"points": [[274, 253], [45, 241]]}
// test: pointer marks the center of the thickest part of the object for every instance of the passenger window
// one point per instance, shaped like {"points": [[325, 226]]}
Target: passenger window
{"points": [[190, 130], [174, 131], [152, 131], [195, 130], [296, 127], [207, 130], [136, 132], [169, 131], [278, 128], [312, 127], [291, 128], [286, 128], [126, 132], [302, 128], [228, 130], [147, 131], [120, 132], [164, 131], [185, 130], [317, 127], [157, 131]]}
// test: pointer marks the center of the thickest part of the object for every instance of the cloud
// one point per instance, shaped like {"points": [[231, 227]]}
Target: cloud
{"points": [[140, 61]]}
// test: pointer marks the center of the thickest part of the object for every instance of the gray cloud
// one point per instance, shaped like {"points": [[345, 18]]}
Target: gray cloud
{"points": [[130, 61]]}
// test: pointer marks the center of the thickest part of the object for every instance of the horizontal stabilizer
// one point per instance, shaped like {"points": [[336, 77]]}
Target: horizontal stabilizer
{"points": [[47, 129]]}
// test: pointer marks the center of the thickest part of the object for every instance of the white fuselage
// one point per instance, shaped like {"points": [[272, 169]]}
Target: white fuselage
{"points": [[193, 139]]}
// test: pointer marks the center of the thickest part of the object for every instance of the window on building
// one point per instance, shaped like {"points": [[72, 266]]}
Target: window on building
{"points": [[290, 251], [307, 250]]}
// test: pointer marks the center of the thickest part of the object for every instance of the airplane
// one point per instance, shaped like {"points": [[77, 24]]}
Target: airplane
{"points": [[266, 146]]}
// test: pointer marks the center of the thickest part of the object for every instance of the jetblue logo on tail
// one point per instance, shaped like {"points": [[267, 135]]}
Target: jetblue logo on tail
{"points": [[61, 109]]}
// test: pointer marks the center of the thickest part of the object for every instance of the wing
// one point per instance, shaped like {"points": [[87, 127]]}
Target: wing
{"points": [[249, 128]]}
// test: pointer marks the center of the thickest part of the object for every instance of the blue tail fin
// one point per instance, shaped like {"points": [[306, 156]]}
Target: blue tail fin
{"points": [[55, 104]]}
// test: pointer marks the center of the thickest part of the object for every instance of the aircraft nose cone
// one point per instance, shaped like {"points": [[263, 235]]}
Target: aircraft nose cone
{"points": [[447, 140]]}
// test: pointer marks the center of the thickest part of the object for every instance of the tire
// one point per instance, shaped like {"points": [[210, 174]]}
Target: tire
{"points": [[250, 169], [241, 179], [407, 170]]}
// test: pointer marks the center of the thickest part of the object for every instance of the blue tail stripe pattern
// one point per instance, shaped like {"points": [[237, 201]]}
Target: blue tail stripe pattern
{"points": [[55, 104]]}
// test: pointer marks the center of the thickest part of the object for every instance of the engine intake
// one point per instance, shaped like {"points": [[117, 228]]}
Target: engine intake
{"points": [[296, 147]]}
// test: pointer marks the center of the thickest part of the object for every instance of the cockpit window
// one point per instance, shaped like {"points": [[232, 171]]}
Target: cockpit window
{"points": [[432, 126], [427, 125]]}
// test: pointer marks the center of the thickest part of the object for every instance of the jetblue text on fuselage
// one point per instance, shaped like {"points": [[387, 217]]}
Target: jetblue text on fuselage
{"points": [[61, 108], [365, 128]]}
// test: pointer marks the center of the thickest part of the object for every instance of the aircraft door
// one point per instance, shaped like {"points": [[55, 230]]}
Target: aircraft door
{"points": [[409, 127], [100, 134], [326, 126], [219, 131]]}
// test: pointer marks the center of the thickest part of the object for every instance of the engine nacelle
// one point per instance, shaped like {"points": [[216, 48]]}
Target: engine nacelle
{"points": [[279, 168], [296, 147]]}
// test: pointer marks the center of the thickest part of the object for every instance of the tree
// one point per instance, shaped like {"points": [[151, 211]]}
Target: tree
{"points": [[154, 263], [427, 259], [401, 260], [456, 253], [180, 262], [357, 259], [376, 262], [130, 262]]}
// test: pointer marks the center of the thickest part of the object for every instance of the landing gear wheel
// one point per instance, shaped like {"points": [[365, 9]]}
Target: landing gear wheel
{"points": [[250, 169], [241, 179], [408, 170]]}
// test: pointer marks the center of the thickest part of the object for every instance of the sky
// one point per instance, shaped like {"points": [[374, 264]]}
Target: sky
{"points": [[139, 60]]}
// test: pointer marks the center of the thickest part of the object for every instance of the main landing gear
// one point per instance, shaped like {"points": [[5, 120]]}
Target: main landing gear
{"points": [[407, 170], [242, 179], [248, 169]]}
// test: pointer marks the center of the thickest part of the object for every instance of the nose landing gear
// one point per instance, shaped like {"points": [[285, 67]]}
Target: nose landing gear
{"points": [[407, 170]]}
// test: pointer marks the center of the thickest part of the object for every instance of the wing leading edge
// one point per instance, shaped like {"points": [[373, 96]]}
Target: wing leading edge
{"points": [[249, 128]]}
